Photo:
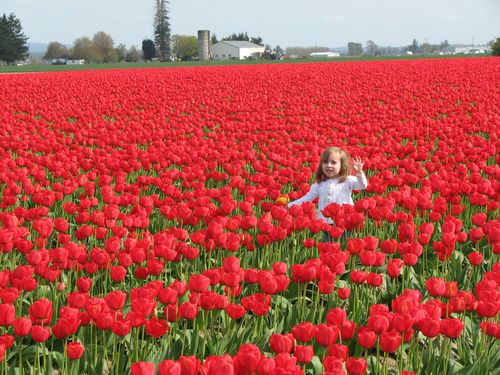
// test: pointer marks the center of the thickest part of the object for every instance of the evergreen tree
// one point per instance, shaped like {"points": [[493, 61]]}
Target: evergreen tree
{"points": [[495, 47], [13, 43], [148, 49], [162, 29]]}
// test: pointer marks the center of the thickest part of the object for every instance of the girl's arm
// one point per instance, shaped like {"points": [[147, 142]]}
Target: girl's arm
{"points": [[360, 182], [309, 197]]}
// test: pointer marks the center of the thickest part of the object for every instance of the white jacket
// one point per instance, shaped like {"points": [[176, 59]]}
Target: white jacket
{"points": [[332, 191]]}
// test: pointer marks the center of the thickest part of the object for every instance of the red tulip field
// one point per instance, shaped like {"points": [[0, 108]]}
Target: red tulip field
{"points": [[144, 227]]}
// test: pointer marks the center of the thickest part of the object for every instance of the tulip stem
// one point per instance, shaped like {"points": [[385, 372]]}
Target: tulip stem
{"points": [[446, 351], [384, 370], [431, 355], [378, 354], [115, 361], [21, 356]]}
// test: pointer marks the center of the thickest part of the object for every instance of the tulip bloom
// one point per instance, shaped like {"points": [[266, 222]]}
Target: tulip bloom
{"points": [[74, 350], [475, 258], [390, 341], [303, 353], [40, 334], [303, 332], [366, 337], [40, 311], [7, 314], [22, 326], [326, 334], [281, 343], [356, 366], [169, 367], [142, 368]]}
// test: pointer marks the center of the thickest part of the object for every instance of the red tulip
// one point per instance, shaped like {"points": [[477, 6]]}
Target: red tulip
{"points": [[7, 314], [303, 332], [356, 366], [74, 350], [156, 327], [430, 327], [343, 293], [40, 333], [247, 359], [390, 341], [452, 327], [281, 343], [326, 334], [336, 316], [435, 286], [378, 323], [188, 310], [169, 367], [475, 258], [142, 368], [366, 337], [84, 284], [22, 326], [218, 365], [40, 311], [303, 353], [338, 351]]}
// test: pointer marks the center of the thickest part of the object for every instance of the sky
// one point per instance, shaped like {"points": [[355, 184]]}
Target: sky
{"points": [[287, 23]]}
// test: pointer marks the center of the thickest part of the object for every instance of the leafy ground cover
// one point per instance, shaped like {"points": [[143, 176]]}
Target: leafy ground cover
{"points": [[43, 67], [143, 226]]}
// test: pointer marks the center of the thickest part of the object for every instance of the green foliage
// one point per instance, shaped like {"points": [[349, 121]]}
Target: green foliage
{"points": [[92, 66], [495, 48], [244, 36], [104, 47], [133, 55], [148, 49], [414, 47], [56, 50], [354, 49], [185, 46], [84, 48], [13, 43], [162, 29]]}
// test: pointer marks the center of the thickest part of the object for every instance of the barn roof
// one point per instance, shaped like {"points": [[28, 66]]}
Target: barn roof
{"points": [[240, 44]]}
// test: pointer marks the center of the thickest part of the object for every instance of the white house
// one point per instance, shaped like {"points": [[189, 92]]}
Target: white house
{"points": [[235, 49]]}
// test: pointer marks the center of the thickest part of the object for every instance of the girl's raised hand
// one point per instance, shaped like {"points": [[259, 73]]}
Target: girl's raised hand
{"points": [[357, 165]]}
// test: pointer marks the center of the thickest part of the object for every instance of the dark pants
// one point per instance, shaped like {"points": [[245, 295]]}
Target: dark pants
{"points": [[328, 238]]}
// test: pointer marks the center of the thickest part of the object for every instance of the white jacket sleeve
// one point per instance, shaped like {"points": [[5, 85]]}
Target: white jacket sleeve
{"points": [[311, 195], [358, 182]]}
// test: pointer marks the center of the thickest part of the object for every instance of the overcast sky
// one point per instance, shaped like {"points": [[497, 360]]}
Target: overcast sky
{"points": [[328, 23]]}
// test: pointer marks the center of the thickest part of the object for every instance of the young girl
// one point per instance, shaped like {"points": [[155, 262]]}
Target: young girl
{"points": [[334, 182]]}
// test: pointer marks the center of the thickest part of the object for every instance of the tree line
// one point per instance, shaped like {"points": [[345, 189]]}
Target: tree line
{"points": [[101, 47]]}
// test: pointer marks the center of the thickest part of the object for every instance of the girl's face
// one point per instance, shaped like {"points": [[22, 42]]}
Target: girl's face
{"points": [[331, 166]]}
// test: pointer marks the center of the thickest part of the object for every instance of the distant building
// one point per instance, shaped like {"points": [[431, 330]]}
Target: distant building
{"points": [[324, 54], [475, 50], [235, 49], [67, 62], [75, 62]]}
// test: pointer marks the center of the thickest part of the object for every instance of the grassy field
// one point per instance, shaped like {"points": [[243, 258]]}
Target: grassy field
{"points": [[123, 65]]}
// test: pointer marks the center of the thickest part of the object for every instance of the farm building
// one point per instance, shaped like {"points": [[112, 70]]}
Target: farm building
{"points": [[235, 49], [324, 54], [67, 62]]}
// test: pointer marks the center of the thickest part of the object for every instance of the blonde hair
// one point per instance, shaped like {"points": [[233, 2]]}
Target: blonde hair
{"points": [[345, 164]]}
